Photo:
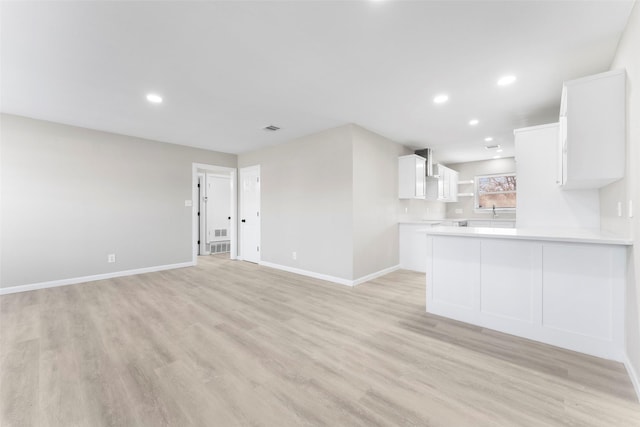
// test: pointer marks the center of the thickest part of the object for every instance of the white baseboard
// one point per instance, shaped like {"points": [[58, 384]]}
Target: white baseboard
{"points": [[76, 280], [633, 375], [376, 274], [328, 278]]}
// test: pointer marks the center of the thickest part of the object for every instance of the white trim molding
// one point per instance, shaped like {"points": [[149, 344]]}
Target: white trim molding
{"points": [[233, 175], [328, 278], [633, 375], [376, 274], [93, 278]]}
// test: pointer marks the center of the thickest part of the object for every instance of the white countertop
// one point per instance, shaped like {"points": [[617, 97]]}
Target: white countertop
{"points": [[559, 235], [424, 222], [440, 221]]}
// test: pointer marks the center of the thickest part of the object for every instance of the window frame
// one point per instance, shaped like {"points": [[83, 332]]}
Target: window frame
{"points": [[476, 193]]}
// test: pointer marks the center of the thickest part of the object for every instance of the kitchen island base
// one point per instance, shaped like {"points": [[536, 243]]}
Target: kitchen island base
{"points": [[567, 294]]}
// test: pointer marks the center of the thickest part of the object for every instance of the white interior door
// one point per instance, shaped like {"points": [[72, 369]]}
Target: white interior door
{"points": [[218, 208], [250, 213]]}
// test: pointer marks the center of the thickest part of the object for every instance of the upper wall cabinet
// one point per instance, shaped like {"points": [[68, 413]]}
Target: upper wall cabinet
{"points": [[447, 184], [411, 177], [444, 186], [591, 146]]}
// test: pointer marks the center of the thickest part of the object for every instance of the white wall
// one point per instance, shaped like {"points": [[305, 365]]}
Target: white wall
{"points": [[331, 197], [70, 196], [307, 202], [627, 57], [375, 202], [542, 203], [469, 170]]}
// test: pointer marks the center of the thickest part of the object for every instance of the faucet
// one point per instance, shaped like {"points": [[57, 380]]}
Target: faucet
{"points": [[495, 215]]}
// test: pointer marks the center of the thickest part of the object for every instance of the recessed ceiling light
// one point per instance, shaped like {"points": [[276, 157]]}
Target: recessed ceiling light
{"points": [[496, 157], [156, 99], [506, 80], [439, 99], [488, 139], [499, 150], [474, 122]]}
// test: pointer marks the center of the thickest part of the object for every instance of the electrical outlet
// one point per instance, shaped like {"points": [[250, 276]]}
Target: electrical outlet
{"points": [[188, 203], [111, 258], [294, 255]]}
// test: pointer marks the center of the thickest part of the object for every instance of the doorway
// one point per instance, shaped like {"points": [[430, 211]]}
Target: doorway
{"points": [[250, 213], [214, 210]]}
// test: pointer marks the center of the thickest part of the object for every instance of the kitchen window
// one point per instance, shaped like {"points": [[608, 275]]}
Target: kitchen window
{"points": [[495, 192]]}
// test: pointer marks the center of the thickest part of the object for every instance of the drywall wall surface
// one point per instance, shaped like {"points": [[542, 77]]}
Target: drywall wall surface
{"points": [[375, 202], [469, 170], [627, 58], [306, 202], [70, 196], [541, 202]]}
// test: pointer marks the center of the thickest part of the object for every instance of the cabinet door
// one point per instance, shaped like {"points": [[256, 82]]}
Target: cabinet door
{"points": [[594, 130], [413, 247], [411, 177], [420, 177], [453, 185], [562, 152], [441, 173]]}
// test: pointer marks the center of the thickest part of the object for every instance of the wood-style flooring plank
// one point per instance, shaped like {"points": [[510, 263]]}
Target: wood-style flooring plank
{"points": [[232, 343]]}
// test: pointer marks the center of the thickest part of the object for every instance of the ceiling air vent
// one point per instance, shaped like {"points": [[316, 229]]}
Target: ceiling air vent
{"points": [[492, 147], [271, 128]]}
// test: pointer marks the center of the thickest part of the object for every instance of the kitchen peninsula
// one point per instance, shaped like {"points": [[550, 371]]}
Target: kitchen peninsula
{"points": [[564, 288]]}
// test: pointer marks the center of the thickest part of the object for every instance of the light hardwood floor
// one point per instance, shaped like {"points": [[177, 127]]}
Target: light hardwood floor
{"points": [[231, 343]]}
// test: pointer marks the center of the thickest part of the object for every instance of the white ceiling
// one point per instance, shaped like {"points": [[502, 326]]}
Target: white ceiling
{"points": [[227, 69]]}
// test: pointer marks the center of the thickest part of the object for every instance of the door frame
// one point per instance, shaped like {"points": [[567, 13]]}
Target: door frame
{"points": [[232, 173], [241, 170], [202, 219]]}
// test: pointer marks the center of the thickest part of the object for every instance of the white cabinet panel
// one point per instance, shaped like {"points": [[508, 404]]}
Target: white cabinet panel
{"points": [[413, 247], [443, 187], [411, 177], [510, 279], [592, 130], [456, 271], [566, 294], [578, 289]]}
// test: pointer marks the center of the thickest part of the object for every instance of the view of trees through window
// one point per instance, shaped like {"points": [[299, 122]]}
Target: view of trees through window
{"points": [[496, 190]]}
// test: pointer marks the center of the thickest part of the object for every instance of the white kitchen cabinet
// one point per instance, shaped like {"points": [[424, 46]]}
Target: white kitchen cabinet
{"points": [[453, 185], [591, 139], [411, 177], [561, 293], [413, 247], [447, 184]]}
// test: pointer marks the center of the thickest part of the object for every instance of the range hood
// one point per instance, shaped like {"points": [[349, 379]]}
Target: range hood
{"points": [[426, 153]]}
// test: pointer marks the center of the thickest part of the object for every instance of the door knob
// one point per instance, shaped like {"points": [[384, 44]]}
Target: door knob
{"points": [[244, 220]]}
